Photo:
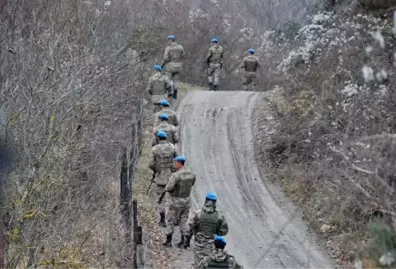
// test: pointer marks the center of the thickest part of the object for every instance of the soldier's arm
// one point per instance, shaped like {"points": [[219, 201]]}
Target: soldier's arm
{"points": [[233, 263], [182, 55], [166, 57], [203, 263], [192, 222], [171, 183], [258, 63], [208, 56], [149, 88], [222, 54], [154, 140], [175, 135], [223, 226], [243, 65], [152, 162], [176, 121], [175, 153]]}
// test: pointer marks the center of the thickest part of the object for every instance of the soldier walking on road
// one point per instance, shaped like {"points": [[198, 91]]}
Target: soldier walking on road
{"points": [[162, 165], [204, 225], [171, 131], [165, 109], [174, 54], [219, 258], [250, 64], [214, 61], [159, 87], [178, 201]]}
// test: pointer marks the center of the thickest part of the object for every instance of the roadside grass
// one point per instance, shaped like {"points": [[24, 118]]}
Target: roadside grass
{"points": [[155, 255]]}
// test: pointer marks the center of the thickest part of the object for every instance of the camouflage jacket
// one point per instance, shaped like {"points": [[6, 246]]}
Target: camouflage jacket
{"points": [[171, 131], [173, 120], [250, 63], [215, 55], [219, 258], [173, 53], [161, 161], [159, 84], [200, 238], [179, 187]]}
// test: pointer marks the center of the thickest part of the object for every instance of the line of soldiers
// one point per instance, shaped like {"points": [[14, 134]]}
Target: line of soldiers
{"points": [[168, 84], [174, 182]]}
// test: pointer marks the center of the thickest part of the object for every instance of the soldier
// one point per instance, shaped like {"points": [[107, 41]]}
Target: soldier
{"points": [[165, 108], [215, 64], [159, 87], [219, 258], [204, 225], [174, 54], [250, 64], [171, 131], [162, 165], [178, 200]]}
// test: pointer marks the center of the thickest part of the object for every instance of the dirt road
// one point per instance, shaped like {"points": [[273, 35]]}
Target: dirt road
{"points": [[217, 139]]}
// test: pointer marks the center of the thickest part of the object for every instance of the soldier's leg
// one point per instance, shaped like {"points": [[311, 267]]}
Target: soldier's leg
{"points": [[170, 219], [183, 218], [216, 76], [157, 191], [176, 81], [170, 225], [210, 77], [245, 83], [253, 84]]}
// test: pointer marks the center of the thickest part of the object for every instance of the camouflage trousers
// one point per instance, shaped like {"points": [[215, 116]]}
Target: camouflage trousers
{"points": [[155, 193], [214, 74], [201, 250], [249, 82], [174, 78], [175, 215]]}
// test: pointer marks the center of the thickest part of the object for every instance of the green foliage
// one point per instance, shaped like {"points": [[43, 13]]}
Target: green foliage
{"points": [[384, 238]]}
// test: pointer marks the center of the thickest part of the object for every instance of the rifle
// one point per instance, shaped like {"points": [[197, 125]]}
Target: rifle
{"points": [[151, 184], [161, 197]]}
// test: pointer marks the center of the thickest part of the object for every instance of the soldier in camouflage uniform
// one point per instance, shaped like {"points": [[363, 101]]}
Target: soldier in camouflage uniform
{"points": [[159, 87], [219, 258], [162, 165], [214, 61], [165, 109], [171, 131], [204, 225], [174, 54], [250, 64], [178, 201]]}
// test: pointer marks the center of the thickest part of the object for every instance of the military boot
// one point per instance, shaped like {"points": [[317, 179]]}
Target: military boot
{"points": [[175, 91], [162, 220], [181, 243], [168, 241], [215, 87], [210, 86]]}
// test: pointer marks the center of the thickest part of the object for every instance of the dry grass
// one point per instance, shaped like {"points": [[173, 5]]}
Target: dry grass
{"points": [[154, 251]]}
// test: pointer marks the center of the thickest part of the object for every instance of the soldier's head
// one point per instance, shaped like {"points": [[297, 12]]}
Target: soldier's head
{"points": [[211, 196], [163, 117], [171, 39], [214, 41], [251, 51], [219, 242], [158, 68], [179, 162], [161, 135], [164, 103]]}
